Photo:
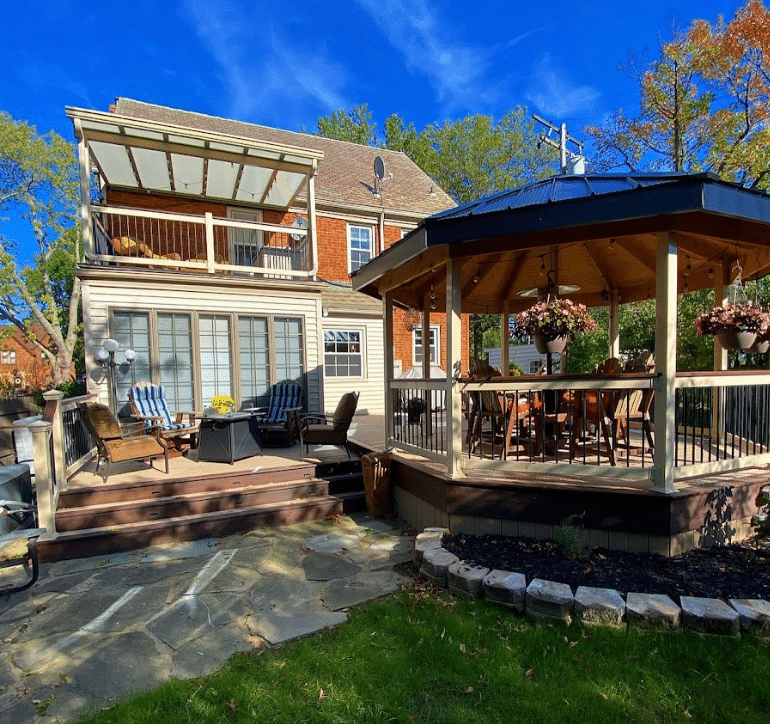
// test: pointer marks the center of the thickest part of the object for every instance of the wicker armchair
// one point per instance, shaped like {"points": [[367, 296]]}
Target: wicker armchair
{"points": [[111, 444]]}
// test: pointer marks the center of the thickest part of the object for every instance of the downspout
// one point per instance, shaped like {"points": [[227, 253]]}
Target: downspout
{"points": [[382, 231], [311, 221]]}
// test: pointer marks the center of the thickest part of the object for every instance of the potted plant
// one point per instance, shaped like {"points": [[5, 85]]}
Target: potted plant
{"points": [[223, 404], [552, 323], [414, 409], [737, 326]]}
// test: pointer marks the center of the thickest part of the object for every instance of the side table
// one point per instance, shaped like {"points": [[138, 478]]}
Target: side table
{"points": [[227, 438]]}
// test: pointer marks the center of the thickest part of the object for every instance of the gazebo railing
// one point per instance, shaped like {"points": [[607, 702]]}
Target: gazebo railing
{"points": [[581, 422]]}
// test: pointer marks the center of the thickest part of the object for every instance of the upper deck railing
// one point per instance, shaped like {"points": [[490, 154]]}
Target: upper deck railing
{"points": [[207, 244]]}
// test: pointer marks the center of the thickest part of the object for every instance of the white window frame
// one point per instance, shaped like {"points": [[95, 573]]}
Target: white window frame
{"points": [[370, 230], [435, 345], [361, 352], [8, 357]]}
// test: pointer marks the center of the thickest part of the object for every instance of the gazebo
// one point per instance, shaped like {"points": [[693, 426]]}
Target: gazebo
{"points": [[606, 239]]}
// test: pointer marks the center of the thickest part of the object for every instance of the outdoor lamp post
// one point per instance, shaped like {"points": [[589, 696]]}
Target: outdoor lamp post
{"points": [[105, 358]]}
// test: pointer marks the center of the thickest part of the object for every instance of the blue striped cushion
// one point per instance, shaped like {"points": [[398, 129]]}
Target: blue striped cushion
{"points": [[283, 396], [150, 401]]}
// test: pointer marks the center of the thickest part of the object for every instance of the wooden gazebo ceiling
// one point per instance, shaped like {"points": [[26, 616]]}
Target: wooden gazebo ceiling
{"points": [[617, 255]]}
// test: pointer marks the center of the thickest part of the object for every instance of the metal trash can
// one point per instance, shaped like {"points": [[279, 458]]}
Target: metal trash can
{"points": [[376, 471]]}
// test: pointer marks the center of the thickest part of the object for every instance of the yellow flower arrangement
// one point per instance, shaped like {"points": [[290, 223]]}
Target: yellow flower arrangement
{"points": [[222, 404]]}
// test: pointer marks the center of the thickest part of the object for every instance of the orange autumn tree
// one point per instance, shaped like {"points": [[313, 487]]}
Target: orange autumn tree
{"points": [[703, 104]]}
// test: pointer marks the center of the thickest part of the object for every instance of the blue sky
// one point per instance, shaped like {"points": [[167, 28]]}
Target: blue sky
{"points": [[285, 64]]}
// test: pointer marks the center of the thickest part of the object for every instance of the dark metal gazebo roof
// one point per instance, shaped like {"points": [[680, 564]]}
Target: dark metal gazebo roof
{"points": [[597, 231]]}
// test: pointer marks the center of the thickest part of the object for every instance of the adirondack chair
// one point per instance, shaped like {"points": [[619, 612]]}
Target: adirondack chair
{"points": [[281, 417], [112, 445], [148, 405]]}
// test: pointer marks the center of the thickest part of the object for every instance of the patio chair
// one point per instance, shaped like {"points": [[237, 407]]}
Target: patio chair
{"points": [[148, 405], [281, 417], [317, 429], [112, 445]]}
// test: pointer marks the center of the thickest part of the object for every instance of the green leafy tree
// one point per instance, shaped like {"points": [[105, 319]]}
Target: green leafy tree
{"points": [[38, 187], [354, 125]]}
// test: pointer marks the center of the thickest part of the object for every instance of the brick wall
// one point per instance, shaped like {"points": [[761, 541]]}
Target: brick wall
{"points": [[34, 371]]}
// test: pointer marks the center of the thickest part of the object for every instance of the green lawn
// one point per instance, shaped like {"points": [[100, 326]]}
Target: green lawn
{"points": [[416, 657]]}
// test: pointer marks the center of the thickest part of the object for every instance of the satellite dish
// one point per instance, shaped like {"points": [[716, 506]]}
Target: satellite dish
{"points": [[299, 223], [379, 168]]}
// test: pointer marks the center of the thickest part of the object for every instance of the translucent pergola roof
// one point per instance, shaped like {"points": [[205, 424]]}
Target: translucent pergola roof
{"points": [[145, 155]]}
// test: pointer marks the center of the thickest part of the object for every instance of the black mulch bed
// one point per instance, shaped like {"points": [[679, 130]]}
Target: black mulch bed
{"points": [[734, 571]]}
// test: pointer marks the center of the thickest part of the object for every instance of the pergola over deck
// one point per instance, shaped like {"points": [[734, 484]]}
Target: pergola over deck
{"points": [[619, 238]]}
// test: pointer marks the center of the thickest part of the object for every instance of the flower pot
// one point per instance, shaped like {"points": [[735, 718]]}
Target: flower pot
{"points": [[555, 345], [759, 347], [736, 339]]}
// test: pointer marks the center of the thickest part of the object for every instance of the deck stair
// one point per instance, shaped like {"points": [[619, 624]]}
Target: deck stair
{"points": [[124, 516]]}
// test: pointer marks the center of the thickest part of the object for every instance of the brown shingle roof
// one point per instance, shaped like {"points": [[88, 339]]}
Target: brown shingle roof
{"points": [[346, 173]]}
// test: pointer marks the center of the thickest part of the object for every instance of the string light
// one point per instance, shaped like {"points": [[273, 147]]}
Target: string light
{"points": [[432, 298], [612, 243], [477, 277], [711, 272], [688, 268], [542, 265]]}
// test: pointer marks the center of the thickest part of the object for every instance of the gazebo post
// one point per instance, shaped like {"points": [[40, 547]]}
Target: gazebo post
{"points": [[454, 364], [428, 428], [614, 350], [662, 472], [505, 336], [387, 317], [721, 282]]}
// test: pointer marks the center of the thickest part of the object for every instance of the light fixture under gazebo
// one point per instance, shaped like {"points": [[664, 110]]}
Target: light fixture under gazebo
{"points": [[552, 289]]}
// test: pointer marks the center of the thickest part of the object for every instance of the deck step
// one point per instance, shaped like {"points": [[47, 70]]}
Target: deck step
{"points": [[116, 517], [129, 536]]}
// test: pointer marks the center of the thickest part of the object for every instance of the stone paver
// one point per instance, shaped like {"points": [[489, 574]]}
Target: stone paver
{"points": [[652, 611], [600, 606], [550, 600], [92, 630], [754, 614], [709, 616]]}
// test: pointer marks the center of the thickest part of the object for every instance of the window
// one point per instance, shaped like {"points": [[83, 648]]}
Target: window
{"points": [[342, 353], [360, 246], [8, 357], [254, 354], [435, 339], [214, 334], [175, 357]]}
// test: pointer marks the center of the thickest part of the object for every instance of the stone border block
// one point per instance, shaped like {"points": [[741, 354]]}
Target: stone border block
{"points": [[465, 579], [506, 588], [599, 606], [550, 600], [652, 612], [420, 547], [435, 564], [754, 615], [709, 616]]}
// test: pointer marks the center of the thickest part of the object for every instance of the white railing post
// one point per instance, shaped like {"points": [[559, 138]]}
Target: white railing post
{"points": [[208, 221], [387, 325], [53, 414], [665, 355], [45, 484]]}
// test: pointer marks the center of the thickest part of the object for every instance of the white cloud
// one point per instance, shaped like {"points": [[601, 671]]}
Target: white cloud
{"points": [[459, 72], [267, 72], [551, 90]]}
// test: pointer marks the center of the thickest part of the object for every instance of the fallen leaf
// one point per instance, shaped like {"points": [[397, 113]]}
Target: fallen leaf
{"points": [[443, 633], [604, 696], [469, 690], [577, 657], [321, 695], [530, 673], [586, 571], [462, 648], [420, 642]]}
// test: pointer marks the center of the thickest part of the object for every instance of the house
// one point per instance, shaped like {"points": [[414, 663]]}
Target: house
{"points": [[23, 367], [524, 357], [220, 252]]}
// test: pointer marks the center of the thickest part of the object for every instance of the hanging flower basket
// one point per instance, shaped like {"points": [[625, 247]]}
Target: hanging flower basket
{"points": [[556, 345], [736, 326], [553, 323]]}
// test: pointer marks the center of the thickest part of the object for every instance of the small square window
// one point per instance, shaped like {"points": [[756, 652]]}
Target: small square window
{"points": [[360, 246], [8, 357]]}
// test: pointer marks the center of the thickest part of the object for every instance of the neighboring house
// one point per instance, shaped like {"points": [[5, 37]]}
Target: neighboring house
{"points": [[23, 367], [220, 252], [524, 356]]}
